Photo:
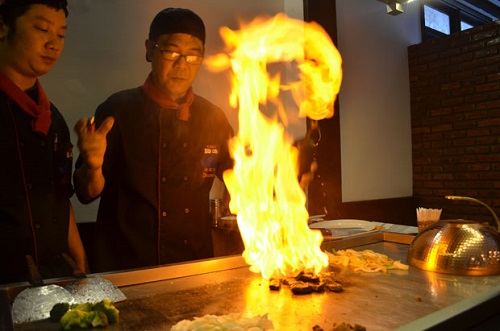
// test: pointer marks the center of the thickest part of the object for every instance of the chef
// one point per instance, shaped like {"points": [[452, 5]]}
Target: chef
{"points": [[152, 155], [36, 217]]}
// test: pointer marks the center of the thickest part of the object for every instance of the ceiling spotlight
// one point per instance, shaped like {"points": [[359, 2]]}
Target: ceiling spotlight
{"points": [[394, 8]]}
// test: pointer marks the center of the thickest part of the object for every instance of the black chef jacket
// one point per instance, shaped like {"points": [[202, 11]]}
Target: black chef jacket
{"points": [[35, 177], [158, 171]]}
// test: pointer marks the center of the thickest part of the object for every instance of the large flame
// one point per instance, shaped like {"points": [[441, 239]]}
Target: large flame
{"points": [[265, 193]]}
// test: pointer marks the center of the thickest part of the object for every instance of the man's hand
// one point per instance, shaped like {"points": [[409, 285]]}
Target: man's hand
{"points": [[89, 179], [92, 141]]}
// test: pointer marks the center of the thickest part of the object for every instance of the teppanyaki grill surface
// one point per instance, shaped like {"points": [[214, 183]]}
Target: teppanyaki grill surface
{"points": [[377, 301]]}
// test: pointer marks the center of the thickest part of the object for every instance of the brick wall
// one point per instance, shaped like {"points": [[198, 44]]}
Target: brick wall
{"points": [[455, 106]]}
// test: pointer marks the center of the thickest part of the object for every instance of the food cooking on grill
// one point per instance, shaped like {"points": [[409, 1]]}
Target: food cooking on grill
{"points": [[365, 261], [342, 326], [84, 315], [305, 283], [225, 322]]}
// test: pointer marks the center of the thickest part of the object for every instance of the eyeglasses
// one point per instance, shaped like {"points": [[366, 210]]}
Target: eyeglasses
{"points": [[174, 56]]}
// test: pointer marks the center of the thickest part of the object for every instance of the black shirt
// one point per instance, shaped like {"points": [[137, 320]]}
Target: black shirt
{"points": [[158, 171], [35, 177]]}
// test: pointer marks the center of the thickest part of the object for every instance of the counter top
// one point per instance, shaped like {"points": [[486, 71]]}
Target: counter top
{"points": [[406, 300]]}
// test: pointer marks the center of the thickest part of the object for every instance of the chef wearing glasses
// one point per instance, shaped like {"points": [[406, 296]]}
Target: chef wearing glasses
{"points": [[153, 155]]}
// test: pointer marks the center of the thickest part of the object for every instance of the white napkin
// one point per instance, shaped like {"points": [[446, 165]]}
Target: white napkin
{"points": [[428, 214]]}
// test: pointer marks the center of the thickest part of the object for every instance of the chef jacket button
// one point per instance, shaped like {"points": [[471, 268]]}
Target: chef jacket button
{"points": [[164, 214], [185, 178], [185, 242], [38, 225], [186, 210], [164, 179], [184, 144]]}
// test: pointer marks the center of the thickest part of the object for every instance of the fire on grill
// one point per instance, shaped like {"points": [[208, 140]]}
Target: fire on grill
{"points": [[265, 193]]}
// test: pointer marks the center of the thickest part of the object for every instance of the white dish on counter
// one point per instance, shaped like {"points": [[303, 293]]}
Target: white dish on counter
{"points": [[344, 227]]}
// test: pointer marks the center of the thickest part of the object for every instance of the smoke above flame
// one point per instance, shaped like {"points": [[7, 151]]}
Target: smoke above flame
{"points": [[263, 185]]}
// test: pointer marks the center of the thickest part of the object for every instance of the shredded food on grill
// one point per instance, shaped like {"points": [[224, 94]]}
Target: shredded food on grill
{"points": [[365, 261], [224, 323]]}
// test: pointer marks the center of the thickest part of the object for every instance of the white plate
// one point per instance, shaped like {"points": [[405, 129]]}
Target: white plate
{"points": [[341, 228]]}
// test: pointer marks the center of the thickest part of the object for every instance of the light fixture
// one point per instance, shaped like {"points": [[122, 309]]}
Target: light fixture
{"points": [[395, 7]]}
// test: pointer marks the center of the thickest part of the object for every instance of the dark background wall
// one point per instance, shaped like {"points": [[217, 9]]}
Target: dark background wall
{"points": [[455, 114]]}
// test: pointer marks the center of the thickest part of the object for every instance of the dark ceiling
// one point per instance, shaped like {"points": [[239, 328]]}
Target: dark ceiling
{"points": [[490, 8], [486, 9]]}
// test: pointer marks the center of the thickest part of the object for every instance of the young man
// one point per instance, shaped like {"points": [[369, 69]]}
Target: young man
{"points": [[154, 169], [36, 216]]}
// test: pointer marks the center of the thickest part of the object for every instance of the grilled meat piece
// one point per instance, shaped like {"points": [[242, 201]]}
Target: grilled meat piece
{"points": [[320, 287], [301, 288], [343, 326], [307, 277], [274, 284], [305, 283], [334, 287]]}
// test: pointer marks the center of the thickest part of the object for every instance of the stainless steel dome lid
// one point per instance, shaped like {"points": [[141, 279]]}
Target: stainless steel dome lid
{"points": [[457, 247]]}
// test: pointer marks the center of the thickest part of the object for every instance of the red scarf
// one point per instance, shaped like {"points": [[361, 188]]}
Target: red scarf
{"points": [[160, 98], [40, 112]]}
